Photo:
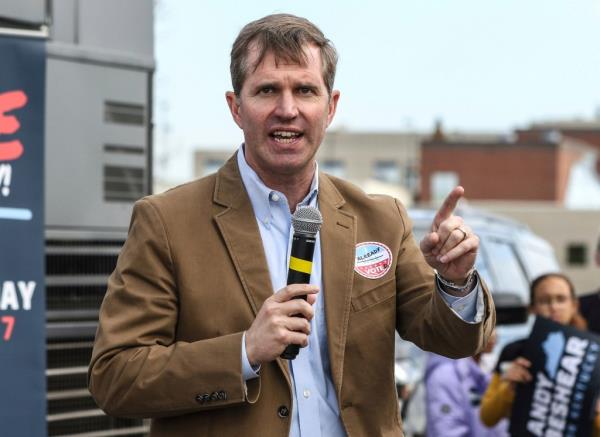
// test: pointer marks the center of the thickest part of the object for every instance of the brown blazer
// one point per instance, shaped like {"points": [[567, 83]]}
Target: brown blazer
{"points": [[191, 278]]}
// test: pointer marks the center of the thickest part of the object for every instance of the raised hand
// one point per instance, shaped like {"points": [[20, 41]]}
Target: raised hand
{"points": [[450, 247]]}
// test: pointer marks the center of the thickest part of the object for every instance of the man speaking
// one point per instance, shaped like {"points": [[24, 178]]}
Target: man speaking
{"points": [[197, 311]]}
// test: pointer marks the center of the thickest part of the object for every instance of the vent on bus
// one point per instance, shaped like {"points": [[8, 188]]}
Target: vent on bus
{"points": [[123, 184], [124, 113], [124, 149], [76, 279]]}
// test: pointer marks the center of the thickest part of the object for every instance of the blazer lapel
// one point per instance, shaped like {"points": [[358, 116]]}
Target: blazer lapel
{"points": [[338, 240], [238, 227], [239, 230]]}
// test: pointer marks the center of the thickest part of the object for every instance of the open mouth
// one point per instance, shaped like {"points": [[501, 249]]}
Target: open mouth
{"points": [[285, 137]]}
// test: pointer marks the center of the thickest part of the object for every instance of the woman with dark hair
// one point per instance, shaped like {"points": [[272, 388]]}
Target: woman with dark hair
{"points": [[552, 296]]}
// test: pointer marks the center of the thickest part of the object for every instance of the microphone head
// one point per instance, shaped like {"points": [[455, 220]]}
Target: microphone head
{"points": [[307, 220]]}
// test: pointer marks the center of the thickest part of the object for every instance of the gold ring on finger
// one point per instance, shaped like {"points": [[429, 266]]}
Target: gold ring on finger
{"points": [[464, 234]]}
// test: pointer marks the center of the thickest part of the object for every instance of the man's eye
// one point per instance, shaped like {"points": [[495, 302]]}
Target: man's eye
{"points": [[267, 90], [305, 90]]}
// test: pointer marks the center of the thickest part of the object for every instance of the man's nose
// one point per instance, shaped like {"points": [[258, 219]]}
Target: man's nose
{"points": [[287, 107]]}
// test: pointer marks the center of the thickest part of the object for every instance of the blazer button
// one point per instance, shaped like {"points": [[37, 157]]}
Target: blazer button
{"points": [[201, 399], [283, 411]]}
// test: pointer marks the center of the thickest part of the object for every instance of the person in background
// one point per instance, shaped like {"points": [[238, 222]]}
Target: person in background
{"points": [[552, 296], [454, 389], [590, 303]]}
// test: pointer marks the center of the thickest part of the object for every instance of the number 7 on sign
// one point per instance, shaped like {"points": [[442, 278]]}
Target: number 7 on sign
{"points": [[9, 321]]}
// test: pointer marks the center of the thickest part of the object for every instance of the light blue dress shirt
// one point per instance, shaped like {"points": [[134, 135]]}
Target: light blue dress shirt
{"points": [[315, 411]]}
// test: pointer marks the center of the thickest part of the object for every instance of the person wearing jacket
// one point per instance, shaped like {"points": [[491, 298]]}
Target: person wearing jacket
{"points": [[198, 310], [552, 296], [453, 390]]}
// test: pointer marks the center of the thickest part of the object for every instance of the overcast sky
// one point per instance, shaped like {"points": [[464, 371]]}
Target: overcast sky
{"points": [[476, 65]]}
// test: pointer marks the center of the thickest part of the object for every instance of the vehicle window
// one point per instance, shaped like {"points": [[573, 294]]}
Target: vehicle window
{"points": [[537, 262], [481, 264], [507, 273], [419, 234]]}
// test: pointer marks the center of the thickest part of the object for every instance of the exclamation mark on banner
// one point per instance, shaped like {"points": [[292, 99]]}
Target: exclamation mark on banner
{"points": [[5, 175]]}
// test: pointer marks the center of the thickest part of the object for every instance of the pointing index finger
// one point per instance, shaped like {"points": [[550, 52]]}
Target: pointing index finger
{"points": [[448, 206]]}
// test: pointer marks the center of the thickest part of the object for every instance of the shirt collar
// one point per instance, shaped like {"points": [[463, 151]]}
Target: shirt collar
{"points": [[260, 195]]}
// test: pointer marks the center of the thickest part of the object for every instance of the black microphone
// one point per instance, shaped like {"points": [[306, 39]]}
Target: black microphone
{"points": [[306, 222]]}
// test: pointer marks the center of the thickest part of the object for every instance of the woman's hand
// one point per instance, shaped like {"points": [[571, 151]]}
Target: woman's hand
{"points": [[518, 371]]}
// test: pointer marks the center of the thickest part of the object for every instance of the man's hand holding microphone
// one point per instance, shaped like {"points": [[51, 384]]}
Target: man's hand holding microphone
{"points": [[282, 325]]}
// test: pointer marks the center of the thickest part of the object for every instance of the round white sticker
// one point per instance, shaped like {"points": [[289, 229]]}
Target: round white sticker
{"points": [[373, 260]]}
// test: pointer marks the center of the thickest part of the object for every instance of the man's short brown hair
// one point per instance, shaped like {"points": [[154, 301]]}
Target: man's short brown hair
{"points": [[284, 36]]}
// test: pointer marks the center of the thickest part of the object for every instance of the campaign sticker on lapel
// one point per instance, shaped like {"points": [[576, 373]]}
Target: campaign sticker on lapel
{"points": [[373, 259]]}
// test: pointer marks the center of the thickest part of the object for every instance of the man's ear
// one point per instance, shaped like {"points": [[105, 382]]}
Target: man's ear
{"points": [[234, 107], [333, 100]]}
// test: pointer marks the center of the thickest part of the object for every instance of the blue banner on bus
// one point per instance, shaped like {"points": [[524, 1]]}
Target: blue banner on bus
{"points": [[22, 302]]}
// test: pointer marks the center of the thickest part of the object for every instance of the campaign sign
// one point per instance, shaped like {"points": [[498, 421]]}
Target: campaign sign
{"points": [[561, 398], [22, 304]]}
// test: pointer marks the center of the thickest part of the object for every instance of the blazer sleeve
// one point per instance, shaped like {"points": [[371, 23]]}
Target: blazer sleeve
{"points": [[423, 317], [138, 368]]}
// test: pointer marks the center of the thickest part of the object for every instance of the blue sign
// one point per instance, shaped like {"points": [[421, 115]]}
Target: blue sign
{"points": [[561, 398], [22, 303]]}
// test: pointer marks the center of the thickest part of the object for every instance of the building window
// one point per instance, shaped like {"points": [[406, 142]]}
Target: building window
{"points": [[212, 166], [442, 182], [334, 167], [387, 171], [577, 254], [411, 178]]}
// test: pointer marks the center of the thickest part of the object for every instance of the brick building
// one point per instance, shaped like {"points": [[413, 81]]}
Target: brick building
{"points": [[587, 131], [533, 166]]}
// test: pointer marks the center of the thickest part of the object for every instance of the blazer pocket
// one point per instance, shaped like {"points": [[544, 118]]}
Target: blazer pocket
{"points": [[375, 295]]}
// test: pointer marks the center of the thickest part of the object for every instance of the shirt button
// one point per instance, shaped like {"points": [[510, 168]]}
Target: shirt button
{"points": [[274, 197], [306, 393]]}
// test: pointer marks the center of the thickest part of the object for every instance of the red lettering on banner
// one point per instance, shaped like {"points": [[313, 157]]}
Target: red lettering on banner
{"points": [[10, 150], [9, 124], [9, 321]]}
